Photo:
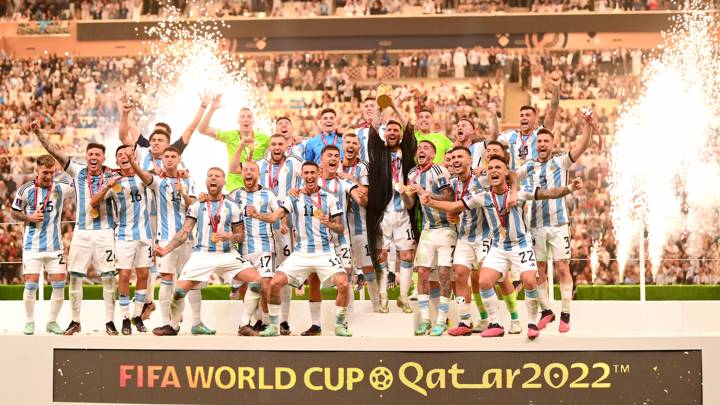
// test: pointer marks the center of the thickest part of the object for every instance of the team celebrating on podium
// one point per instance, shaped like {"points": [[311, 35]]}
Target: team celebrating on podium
{"points": [[475, 220]]}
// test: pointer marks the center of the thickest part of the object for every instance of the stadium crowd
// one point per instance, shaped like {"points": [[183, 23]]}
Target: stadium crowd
{"points": [[77, 94], [44, 10]]}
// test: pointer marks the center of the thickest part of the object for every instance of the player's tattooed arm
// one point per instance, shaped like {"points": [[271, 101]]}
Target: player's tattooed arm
{"points": [[555, 83], [237, 235], [494, 124], [335, 223], [51, 148], [558, 192], [180, 237], [35, 217]]}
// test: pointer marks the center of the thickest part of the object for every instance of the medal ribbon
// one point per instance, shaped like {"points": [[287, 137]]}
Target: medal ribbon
{"points": [[273, 180], [422, 170], [47, 196], [317, 204], [502, 214], [325, 185], [214, 218], [464, 190]]}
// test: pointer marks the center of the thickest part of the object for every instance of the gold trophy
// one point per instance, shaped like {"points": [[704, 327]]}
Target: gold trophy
{"points": [[383, 98]]}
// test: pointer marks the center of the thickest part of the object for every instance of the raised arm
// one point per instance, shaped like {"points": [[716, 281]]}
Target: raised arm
{"points": [[124, 126], [555, 82], [205, 100], [145, 176], [236, 164], [204, 126], [581, 146], [558, 192], [494, 124], [180, 237], [401, 117], [52, 149]]}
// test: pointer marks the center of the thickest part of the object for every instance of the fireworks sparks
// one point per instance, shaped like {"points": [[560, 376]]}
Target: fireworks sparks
{"points": [[663, 159], [186, 61]]}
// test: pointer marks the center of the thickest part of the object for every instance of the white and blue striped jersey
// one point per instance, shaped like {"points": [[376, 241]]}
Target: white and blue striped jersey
{"points": [[521, 148], [296, 151], [477, 154], [83, 220], [356, 214], [228, 214], [133, 209], [517, 235], [341, 189], [170, 205], [280, 183], [472, 226], [396, 203], [363, 136], [434, 179], [47, 235], [550, 174], [258, 234], [280, 178], [312, 236]]}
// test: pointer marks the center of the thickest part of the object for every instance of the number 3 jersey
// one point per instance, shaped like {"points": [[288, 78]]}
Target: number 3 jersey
{"points": [[258, 234], [313, 236], [45, 236], [516, 235], [553, 173], [133, 209], [170, 204]]}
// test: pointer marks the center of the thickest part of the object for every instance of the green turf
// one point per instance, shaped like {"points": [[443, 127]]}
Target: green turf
{"points": [[584, 292]]}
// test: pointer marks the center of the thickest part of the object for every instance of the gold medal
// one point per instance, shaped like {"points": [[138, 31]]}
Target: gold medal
{"points": [[503, 233], [214, 238], [521, 162], [117, 187], [94, 213], [317, 212]]}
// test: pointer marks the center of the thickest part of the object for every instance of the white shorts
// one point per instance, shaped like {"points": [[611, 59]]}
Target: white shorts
{"points": [[556, 238], [34, 262], [515, 261], [396, 230], [360, 251], [436, 247], [263, 262], [283, 246], [469, 254], [96, 247], [202, 264], [173, 262], [299, 265], [343, 253], [134, 254]]}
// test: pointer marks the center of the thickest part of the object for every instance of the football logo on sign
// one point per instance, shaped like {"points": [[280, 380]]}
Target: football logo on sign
{"points": [[381, 378]]}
